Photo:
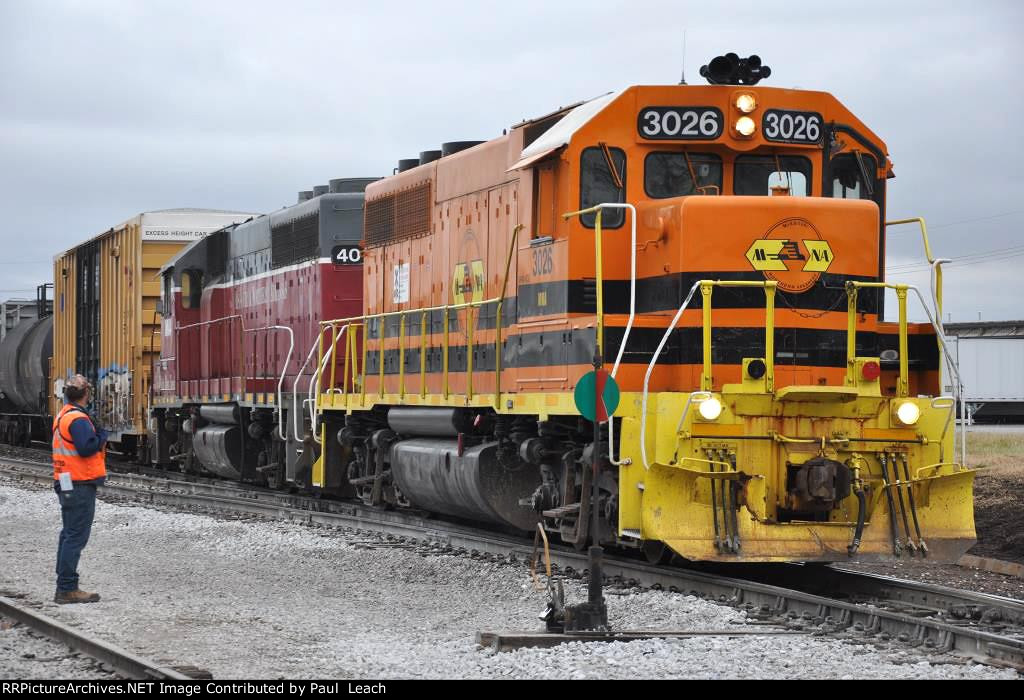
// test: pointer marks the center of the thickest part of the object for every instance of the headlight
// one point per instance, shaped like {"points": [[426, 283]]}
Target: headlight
{"points": [[746, 103], [745, 126], [908, 413], [710, 409]]}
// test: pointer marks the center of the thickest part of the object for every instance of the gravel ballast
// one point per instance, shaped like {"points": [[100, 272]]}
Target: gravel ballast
{"points": [[248, 599], [24, 655]]}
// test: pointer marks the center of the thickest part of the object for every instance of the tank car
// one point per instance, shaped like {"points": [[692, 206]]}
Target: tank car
{"points": [[230, 390], [26, 344], [721, 248]]}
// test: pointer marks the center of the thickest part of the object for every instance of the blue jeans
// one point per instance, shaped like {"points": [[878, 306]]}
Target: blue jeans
{"points": [[77, 508]]}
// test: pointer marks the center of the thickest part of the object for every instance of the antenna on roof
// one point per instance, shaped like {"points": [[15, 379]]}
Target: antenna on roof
{"points": [[682, 76]]}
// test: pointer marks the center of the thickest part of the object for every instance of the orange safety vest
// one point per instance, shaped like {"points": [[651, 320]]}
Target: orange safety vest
{"points": [[66, 457]]}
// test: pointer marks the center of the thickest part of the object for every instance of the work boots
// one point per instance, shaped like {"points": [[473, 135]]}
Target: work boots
{"points": [[76, 596]]}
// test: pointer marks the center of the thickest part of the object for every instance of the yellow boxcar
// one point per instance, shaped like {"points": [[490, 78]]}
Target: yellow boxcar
{"points": [[106, 312]]}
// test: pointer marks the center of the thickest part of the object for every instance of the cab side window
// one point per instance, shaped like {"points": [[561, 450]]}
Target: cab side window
{"points": [[853, 176], [769, 175], [167, 301], [599, 183], [191, 288]]}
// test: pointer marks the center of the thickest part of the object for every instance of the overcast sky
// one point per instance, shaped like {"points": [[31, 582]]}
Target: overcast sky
{"points": [[113, 107]]}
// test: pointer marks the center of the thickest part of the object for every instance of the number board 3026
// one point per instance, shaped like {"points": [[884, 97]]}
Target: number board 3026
{"points": [[791, 127], [680, 123]]}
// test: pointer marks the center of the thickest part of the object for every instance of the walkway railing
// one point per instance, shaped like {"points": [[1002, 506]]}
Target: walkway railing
{"points": [[355, 368]]}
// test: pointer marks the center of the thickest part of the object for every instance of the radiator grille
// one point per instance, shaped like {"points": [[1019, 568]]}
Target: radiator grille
{"points": [[295, 241], [398, 216]]}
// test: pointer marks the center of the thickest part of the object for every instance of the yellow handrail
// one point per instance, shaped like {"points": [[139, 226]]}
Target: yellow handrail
{"points": [[706, 289], [956, 468], [334, 365], [344, 371], [497, 319], [423, 354], [401, 356], [353, 345], [469, 353], [937, 267], [444, 348], [362, 383], [363, 321], [903, 386], [381, 332]]}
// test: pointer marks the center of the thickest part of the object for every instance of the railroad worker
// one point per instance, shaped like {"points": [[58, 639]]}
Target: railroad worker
{"points": [[79, 467]]}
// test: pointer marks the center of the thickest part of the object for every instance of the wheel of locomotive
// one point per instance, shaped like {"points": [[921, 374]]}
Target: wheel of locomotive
{"points": [[271, 476], [655, 552]]}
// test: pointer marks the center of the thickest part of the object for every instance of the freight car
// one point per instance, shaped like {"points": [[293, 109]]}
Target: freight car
{"points": [[230, 391], [105, 317], [722, 249], [26, 343]]}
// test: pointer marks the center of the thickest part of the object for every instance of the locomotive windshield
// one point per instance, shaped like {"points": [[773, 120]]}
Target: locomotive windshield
{"points": [[757, 175], [668, 174]]}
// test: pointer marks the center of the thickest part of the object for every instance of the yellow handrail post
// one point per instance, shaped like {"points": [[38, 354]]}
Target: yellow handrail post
{"points": [[497, 355], [924, 233], [706, 288], [851, 334], [401, 356], [353, 349], [333, 356], [319, 363], [598, 276], [901, 295], [497, 319], [334, 365], [769, 335], [380, 355], [423, 354], [344, 371], [362, 383], [903, 388], [444, 359], [469, 353], [599, 283], [938, 272]]}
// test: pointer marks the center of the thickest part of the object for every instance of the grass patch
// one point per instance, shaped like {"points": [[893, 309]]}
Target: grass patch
{"points": [[999, 453]]}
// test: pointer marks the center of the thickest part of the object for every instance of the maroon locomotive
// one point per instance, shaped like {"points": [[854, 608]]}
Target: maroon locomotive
{"points": [[241, 310]]}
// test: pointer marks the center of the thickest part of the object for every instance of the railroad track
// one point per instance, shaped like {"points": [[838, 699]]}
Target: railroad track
{"points": [[829, 599], [123, 662]]}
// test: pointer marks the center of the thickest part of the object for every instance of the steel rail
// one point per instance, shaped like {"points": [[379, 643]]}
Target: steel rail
{"points": [[915, 597], [760, 598], [122, 661]]}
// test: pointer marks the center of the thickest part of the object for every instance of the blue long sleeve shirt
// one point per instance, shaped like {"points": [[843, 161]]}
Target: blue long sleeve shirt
{"points": [[87, 441]]}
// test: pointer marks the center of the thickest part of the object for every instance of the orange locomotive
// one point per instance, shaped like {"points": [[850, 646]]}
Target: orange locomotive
{"points": [[721, 249]]}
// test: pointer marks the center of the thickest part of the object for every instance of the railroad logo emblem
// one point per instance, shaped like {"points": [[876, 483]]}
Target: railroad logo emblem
{"points": [[792, 253], [468, 282]]}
